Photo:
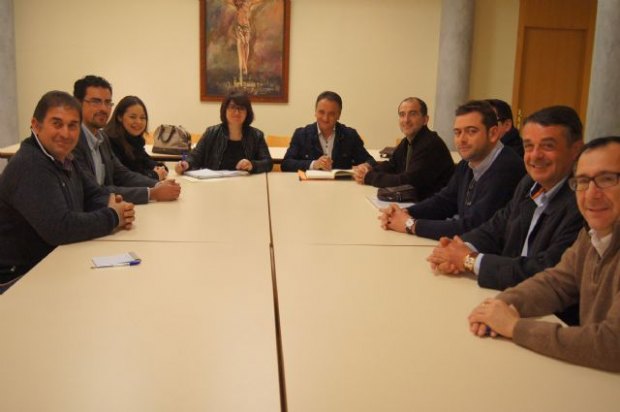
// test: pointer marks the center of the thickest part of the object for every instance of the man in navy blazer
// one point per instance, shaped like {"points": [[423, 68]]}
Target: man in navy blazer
{"points": [[94, 154], [541, 221], [326, 144], [483, 182]]}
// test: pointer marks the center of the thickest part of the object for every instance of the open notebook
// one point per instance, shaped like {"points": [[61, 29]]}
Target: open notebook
{"points": [[325, 174], [214, 174]]}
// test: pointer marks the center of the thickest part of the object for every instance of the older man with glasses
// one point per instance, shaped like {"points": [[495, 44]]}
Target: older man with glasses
{"points": [[588, 273]]}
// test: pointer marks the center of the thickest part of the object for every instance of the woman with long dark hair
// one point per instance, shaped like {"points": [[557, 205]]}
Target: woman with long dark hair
{"points": [[126, 130]]}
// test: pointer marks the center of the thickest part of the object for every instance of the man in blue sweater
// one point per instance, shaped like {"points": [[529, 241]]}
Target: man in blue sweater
{"points": [[482, 183]]}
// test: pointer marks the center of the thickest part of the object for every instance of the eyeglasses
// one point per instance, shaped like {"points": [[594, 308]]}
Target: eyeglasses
{"points": [[99, 102], [602, 181], [234, 107]]}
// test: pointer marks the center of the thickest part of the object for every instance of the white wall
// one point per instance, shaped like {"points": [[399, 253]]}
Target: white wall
{"points": [[372, 52], [494, 51]]}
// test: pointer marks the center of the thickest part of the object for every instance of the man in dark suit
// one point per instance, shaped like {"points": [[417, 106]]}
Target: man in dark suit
{"points": [[94, 153], [326, 144], [483, 182], [421, 159], [539, 223]]}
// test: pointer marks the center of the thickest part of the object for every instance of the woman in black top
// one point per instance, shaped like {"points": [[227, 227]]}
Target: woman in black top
{"points": [[232, 144], [126, 133]]}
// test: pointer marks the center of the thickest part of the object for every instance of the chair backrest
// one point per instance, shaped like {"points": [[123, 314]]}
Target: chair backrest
{"points": [[278, 141]]}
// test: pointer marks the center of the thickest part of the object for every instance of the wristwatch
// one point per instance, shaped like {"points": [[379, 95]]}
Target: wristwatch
{"points": [[410, 226], [470, 261]]}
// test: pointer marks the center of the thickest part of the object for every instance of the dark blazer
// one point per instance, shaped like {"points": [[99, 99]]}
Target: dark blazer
{"points": [[501, 238], [513, 140], [430, 170], [118, 178], [305, 147], [490, 193], [209, 151]]}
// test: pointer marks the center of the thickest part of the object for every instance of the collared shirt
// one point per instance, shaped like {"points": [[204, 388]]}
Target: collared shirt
{"points": [[600, 243], [479, 170], [327, 143], [542, 201], [486, 163], [66, 164], [94, 141]]}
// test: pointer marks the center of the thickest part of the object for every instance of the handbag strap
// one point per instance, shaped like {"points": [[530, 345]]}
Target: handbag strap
{"points": [[162, 134]]}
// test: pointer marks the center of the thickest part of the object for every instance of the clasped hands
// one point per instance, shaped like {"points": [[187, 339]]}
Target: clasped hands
{"points": [[393, 218], [322, 163], [360, 171], [124, 210], [493, 317], [448, 257]]}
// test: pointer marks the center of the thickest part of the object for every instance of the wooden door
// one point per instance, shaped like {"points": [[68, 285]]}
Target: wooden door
{"points": [[554, 54]]}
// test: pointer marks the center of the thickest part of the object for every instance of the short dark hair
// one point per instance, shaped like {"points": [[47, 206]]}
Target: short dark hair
{"points": [[331, 96], [504, 112], [489, 118], [240, 99], [598, 143], [80, 86], [563, 116], [422, 103], [55, 98]]}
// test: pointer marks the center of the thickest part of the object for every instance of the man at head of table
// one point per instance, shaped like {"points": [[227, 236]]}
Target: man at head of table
{"points": [[588, 273], [539, 223], [326, 144]]}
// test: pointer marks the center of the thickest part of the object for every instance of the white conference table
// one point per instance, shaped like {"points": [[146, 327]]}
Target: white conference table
{"points": [[370, 328], [335, 212], [190, 328], [233, 209]]}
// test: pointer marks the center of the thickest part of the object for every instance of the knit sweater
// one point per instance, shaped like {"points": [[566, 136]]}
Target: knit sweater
{"points": [[44, 204], [581, 276]]}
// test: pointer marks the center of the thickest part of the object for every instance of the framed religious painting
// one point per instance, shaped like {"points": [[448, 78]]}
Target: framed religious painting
{"points": [[244, 47]]}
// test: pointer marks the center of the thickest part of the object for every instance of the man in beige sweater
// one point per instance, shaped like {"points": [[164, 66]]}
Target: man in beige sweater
{"points": [[588, 273]]}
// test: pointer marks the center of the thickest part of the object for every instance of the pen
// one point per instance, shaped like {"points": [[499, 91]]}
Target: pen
{"points": [[132, 263]]}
